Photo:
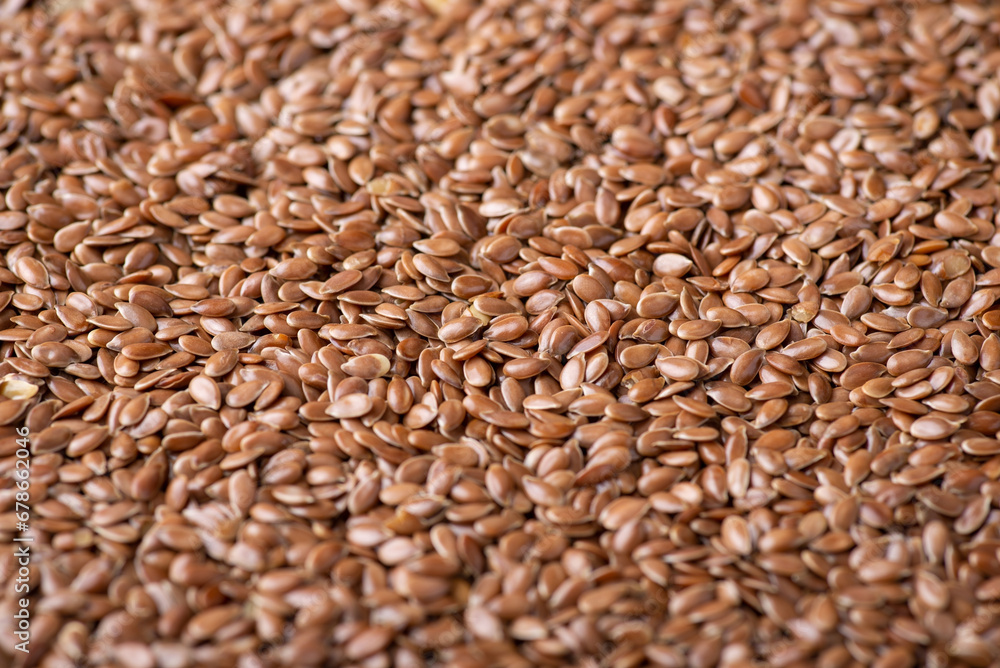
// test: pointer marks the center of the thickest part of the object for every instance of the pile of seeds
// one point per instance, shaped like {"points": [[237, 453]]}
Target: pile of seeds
{"points": [[431, 333]]}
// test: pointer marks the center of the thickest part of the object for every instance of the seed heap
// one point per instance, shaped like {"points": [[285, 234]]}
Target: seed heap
{"points": [[609, 333]]}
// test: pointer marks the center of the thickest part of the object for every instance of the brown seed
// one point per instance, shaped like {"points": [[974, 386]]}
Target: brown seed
{"points": [[746, 366], [206, 392], [963, 348], [806, 349], [145, 351], [351, 406], [697, 329], [294, 269], [221, 363], [245, 393], [231, 341], [672, 265], [368, 642], [458, 329], [736, 535], [678, 368], [773, 335]]}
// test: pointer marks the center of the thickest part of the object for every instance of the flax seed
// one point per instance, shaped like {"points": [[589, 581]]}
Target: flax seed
{"points": [[604, 334]]}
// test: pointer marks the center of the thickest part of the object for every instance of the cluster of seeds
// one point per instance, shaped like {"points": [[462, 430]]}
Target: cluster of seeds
{"points": [[522, 333]]}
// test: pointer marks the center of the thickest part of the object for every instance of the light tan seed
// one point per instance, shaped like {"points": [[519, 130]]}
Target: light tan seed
{"points": [[367, 366]]}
